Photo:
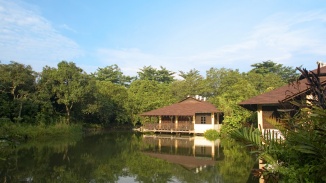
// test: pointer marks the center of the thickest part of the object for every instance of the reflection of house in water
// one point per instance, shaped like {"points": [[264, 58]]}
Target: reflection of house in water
{"points": [[193, 153]]}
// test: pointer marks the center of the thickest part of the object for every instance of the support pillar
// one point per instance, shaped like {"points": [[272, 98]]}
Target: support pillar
{"points": [[193, 123], [213, 121], [260, 117], [160, 121]]}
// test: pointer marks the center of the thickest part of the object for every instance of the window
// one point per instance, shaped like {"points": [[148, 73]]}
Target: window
{"points": [[203, 150], [203, 120]]}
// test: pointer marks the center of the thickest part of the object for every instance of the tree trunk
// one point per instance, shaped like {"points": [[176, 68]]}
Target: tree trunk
{"points": [[68, 113]]}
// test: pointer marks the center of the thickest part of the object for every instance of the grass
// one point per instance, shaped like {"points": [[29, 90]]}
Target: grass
{"points": [[18, 131]]}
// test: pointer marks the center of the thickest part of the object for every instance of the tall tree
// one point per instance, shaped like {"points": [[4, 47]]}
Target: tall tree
{"points": [[220, 80], [161, 75], [193, 83], [286, 73], [113, 74], [18, 82], [67, 83], [106, 105], [145, 95], [234, 115], [266, 82]]}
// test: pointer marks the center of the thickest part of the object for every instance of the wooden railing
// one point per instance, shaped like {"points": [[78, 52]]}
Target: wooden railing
{"points": [[169, 127]]}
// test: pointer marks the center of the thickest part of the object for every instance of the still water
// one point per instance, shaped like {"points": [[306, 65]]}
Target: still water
{"points": [[127, 157]]}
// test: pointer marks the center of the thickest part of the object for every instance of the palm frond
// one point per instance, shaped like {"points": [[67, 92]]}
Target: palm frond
{"points": [[249, 135]]}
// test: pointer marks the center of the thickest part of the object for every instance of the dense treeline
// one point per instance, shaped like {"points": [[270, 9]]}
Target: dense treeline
{"points": [[107, 97]]}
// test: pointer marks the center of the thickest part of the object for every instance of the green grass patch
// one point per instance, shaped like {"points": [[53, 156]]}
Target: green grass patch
{"points": [[18, 131]]}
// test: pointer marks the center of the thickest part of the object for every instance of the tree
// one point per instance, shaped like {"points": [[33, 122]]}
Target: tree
{"points": [[113, 74], [162, 75], [67, 84], [234, 115], [192, 84], [264, 83], [288, 74], [17, 81], [220, 80], [146, 95], [106, 104]]}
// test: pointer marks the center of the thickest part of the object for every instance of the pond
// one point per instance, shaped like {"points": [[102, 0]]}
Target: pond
{"points": [[127, 157]]}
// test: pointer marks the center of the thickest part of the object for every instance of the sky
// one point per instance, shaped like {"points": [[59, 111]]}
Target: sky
{"points": [[178, 35]]}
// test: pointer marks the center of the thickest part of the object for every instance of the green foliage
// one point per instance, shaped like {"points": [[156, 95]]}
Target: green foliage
{"points": [[237, 162], [162, 75], [234, 115], [219, 81], [262, 84], [17, 86], [107, 105], [146, 95], [212, 134], [287, 74], [192, 84], [109, 97], [29, 132], [65, 84], [113, 74], [17, 79]]}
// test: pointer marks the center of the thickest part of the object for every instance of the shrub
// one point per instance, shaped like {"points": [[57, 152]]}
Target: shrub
{"points": [[211, 134]]}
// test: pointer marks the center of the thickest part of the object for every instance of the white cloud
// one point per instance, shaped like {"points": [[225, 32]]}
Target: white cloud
{"points": [[282, 38], [27, 37], [67, 27]]}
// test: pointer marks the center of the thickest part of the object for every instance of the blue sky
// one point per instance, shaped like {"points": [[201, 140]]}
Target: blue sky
{"points": [[176, 34]]}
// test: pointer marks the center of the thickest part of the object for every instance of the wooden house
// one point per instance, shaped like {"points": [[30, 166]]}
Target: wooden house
{"points": [[192, 115], [273, 103]]}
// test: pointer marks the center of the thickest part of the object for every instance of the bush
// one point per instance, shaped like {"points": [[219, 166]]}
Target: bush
{"points": [[211, 134], [26, 131]]}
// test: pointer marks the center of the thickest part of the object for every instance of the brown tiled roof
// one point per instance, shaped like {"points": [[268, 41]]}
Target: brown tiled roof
{"points": [[322, 71], [187, 107], [283, 93], [277, 95]]}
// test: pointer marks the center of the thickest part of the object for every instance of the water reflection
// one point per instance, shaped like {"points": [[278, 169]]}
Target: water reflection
{"points": [[126, 157], [191, 152]]}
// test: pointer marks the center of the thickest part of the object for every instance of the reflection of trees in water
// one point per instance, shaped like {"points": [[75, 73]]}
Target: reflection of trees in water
{"points": [[237, 163], [100, 158], [26, 162]]}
